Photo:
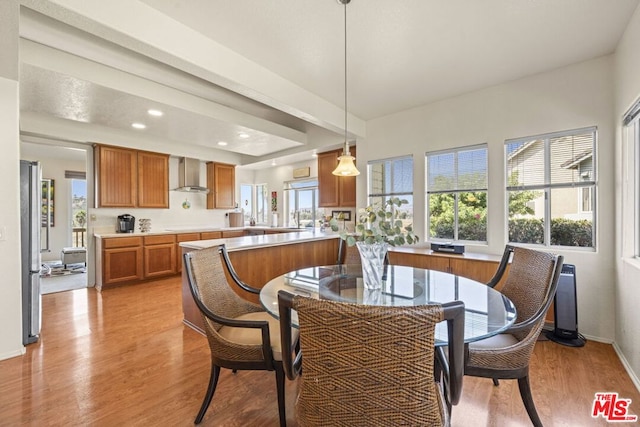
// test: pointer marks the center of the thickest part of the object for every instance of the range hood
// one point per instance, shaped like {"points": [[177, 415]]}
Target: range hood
{"points": [[189, 176]]}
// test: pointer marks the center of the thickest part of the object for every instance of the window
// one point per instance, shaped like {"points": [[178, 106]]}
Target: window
{"points": [[631, 122], [457, 194], [301, 204], [254, 202], [392, 178], [551, 182]]}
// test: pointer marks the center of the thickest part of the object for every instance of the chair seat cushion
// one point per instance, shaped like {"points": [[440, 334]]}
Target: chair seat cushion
{"points": [[253, 336], [494, 342]]}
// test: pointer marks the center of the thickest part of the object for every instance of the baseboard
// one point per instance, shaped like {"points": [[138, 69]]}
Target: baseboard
{"points": [[12, 354], [627, 366]]}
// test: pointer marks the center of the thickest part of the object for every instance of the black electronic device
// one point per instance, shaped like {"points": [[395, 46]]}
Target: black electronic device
{"points": [[565, 310], [449, 247], [125, 224]]}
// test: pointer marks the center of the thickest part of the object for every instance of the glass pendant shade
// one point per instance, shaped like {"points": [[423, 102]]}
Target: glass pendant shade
{"points": [[346, 167]]}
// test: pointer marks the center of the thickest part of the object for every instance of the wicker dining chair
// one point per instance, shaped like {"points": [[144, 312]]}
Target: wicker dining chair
{"points": [[370, 365], [241, 335], [531, 285], [348, 254]]}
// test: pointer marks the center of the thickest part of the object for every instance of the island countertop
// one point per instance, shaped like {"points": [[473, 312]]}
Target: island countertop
{"points": [[262, 241]]}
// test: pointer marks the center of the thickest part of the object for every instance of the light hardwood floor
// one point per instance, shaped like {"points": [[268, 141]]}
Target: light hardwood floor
{"points": [[123, 358]]}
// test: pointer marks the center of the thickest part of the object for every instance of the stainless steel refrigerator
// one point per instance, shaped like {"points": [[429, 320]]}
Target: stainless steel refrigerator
{"points": [[30, 234]]}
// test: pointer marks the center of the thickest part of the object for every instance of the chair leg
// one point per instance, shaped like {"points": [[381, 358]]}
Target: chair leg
{"points": [[213, 381], [280, 391], [495, 382], [527, 399]]}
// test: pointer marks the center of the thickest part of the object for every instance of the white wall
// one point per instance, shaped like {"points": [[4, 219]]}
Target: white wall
{"points": [[10, 285], [54, 168], [627, 77], [573, 97]]}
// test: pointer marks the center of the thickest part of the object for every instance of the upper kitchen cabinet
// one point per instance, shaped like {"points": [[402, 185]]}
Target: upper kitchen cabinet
{"points": [[153, 180], [335, 191], [128, 178], [221, 181]]}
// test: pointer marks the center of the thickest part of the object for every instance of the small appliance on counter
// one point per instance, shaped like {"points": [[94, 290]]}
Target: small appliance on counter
{"points": [[125, 224], [449, 247], [236, 219]]}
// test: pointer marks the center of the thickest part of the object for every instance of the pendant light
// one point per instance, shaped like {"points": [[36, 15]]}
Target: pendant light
{"points": [[346, 167]]}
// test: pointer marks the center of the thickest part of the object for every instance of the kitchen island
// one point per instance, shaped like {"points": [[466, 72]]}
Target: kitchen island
{"points": [[260, 258]]}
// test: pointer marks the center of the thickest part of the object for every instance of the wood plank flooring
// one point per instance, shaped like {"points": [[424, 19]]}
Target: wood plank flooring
{"points": [[123, 358]]}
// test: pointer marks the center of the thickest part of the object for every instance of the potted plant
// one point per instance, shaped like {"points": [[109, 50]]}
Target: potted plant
{"points": [[377, 227]]}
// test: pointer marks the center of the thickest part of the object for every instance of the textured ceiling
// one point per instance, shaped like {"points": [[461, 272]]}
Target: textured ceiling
{"points": [[401, 54]]}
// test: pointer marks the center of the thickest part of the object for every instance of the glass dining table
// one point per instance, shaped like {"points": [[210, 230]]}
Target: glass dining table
{"points": [[487, 311]]}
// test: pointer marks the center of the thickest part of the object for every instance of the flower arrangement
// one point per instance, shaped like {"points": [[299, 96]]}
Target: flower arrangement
{"points": [[380, 224]]}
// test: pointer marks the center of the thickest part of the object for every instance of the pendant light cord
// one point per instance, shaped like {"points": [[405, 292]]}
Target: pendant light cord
{"points": [[346, 141]]}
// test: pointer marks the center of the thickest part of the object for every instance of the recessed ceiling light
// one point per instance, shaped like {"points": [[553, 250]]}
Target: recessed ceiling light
{"points": [[138, 125], [156, 113], [273, 162], [243, 135], [222, 143]]}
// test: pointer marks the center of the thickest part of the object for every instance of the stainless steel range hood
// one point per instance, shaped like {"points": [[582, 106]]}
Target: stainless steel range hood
{"points": [[189, 176]]}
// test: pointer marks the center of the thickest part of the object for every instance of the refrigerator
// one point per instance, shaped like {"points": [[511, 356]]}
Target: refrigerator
{"points": [[30, 234]]}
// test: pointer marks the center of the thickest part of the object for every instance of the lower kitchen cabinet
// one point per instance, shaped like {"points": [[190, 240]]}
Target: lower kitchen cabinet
{"points": [[479, 267], [122, 260], [159, 255], [186, 237]]}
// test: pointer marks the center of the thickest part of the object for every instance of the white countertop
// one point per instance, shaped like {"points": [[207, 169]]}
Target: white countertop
{"points": [[192, 229], [264, 240]]}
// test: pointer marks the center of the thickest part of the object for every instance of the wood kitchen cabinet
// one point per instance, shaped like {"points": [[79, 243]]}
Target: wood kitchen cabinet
{"points": [[128, 178], [159, 255], [184, 237], [221, 181], [116, 177], [227, 234], [207, 235], [153, 180], [479, 267], [122, 260], [335, 191]]}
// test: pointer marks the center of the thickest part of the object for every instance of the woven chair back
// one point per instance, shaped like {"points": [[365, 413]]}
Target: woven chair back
{"points": [[215, 293], [367, 365], [528, 282]]}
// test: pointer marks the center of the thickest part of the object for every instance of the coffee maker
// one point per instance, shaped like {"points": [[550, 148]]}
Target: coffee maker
{"points": [[125, 224]]}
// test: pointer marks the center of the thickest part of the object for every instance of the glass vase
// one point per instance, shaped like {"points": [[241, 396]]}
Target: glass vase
{"points": [[372, 256]]}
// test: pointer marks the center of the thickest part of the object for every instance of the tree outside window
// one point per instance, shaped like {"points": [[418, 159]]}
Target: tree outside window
{"points": [[457, 194], [551, 186]]}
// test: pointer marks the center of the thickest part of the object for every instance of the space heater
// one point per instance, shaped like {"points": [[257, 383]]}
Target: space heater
{"points": [[565, 310]]}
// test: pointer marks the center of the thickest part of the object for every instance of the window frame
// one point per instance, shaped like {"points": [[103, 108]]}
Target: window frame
{"points": [[253, 211], [456, 192], [548, 186], [386, 195]]}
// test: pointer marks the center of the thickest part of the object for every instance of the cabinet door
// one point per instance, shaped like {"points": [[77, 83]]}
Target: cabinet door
{"points": [[153, 180], [347, 187], [328, 183], [221, 181], [481, 271], [184, 237], [116, 177], [122, 265], [159, 260]]}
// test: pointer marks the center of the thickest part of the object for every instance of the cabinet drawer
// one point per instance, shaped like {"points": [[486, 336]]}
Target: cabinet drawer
{"points": [[122, 242], [232, 233], [160, 239], [210, 235], [187, 237]]}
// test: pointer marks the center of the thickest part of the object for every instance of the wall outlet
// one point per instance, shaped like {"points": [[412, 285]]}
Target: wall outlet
{"points": [[3, 233], [92, 217]]}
